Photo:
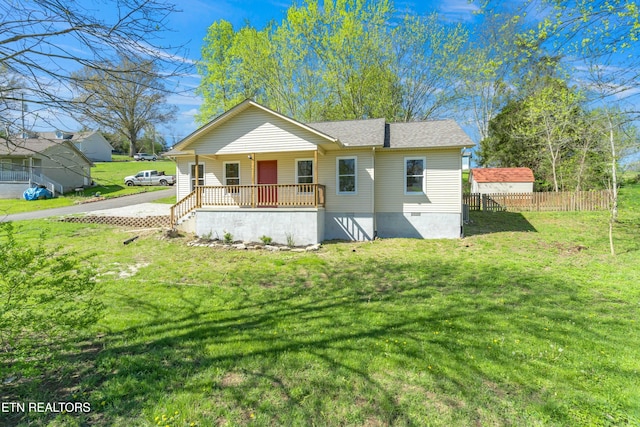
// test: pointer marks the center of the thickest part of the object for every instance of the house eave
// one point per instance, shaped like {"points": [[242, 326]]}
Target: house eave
{"points": [[237, 110]]}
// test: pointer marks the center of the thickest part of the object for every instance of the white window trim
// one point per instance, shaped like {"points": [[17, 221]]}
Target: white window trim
{"points": [[296, 166], [355, 169], [192, 178], [424, 177], [313, 178], [224, 172]]}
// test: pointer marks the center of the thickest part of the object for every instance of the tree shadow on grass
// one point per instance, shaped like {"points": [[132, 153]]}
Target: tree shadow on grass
{"points": [[379, 342], [496, 222]]}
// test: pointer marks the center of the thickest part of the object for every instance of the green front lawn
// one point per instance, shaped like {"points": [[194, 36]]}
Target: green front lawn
{"points": [[527, 321], [110, 179]]}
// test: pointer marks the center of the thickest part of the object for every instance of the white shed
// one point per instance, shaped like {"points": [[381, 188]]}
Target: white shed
{"points": [[501, 180]]}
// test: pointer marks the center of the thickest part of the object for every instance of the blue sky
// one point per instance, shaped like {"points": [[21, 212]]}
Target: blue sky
{"points": [[190, 27]]}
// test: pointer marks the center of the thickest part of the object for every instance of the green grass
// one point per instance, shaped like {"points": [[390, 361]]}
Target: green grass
{"points": [[110, 179], [527, 321]]}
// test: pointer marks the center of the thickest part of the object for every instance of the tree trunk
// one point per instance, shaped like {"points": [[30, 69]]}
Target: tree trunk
{"points": [[613, 217]]}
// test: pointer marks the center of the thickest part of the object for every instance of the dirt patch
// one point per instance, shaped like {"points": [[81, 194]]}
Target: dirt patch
{"points": [[232, 379]]}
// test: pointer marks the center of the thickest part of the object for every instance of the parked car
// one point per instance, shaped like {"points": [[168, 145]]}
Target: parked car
{"points": [[145, 156], [150, 177]]}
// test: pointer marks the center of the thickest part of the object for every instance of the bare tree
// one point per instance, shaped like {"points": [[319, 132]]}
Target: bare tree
{"points": [[125, 97], [42, 41]]}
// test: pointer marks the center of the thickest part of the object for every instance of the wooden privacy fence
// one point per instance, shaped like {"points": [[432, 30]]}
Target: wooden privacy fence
{"points": [[539, 202]]}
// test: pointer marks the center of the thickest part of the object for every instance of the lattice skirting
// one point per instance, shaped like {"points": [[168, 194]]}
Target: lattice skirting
{"points": [[145, 222]]}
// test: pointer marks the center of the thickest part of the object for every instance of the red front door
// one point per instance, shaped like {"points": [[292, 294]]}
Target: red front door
{"points": [[268, 174]]}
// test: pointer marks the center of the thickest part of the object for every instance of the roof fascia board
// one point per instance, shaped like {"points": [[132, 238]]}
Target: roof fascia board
{"points": [[244, 105]]}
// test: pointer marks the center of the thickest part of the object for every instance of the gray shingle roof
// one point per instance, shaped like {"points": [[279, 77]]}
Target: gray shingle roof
{"points": [[377, 133], [354, 133], [25, 147], [431, 134]]}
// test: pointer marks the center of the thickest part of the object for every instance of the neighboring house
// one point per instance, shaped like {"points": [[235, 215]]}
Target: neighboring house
{"points": [[56, 164], [253, 172], [91, 143], [501, 180]]}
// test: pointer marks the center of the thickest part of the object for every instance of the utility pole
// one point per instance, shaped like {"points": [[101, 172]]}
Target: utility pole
{"points": [[24, 131]]}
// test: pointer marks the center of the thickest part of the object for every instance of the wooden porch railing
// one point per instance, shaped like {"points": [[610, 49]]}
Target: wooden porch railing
{"points": [[251, 196]]}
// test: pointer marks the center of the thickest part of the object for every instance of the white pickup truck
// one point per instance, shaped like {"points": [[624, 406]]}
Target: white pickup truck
{"points": [[150, 177]]}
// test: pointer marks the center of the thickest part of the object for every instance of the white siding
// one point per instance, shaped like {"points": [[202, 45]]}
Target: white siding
{"points": [[64, 165], [502, 187], [362, 201], [214, 168], [256, 131], [443, 182], [95, 147]]}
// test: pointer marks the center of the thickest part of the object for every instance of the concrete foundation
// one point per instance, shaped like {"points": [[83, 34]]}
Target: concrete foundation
{"points": [[12, 190], [309, 226], [304, 226], [348, 226], [419, 225]]}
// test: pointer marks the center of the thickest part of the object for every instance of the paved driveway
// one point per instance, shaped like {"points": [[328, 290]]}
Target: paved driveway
{"points": [[133, 205]]}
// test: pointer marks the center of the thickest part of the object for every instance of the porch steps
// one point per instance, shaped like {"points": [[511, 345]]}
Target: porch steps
{"points": [[187, 223]]}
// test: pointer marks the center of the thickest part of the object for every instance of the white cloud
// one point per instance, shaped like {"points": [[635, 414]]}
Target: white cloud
{"points": [[190, 113], [458, 10]]}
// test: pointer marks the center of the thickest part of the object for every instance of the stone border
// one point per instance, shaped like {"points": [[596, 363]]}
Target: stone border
{"points": [[244, 246]]}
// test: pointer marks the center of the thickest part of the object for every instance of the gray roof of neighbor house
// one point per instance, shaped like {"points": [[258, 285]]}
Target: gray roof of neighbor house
{"points": [[378, 133], [26, 147], [71, 136]]}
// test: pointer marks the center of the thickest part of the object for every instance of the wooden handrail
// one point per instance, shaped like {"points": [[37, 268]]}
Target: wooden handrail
{"points": [[250, 196], [184, 206]]}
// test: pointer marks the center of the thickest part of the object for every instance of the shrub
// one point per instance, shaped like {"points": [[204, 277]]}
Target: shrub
{"points": [[44, 293], [290, 240], [266, 240]]}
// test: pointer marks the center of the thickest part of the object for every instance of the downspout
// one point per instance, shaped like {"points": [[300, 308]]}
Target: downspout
{"points": [[373, 195]]}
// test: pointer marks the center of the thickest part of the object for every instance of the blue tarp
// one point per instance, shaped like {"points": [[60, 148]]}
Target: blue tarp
{"points": [[36, 193]]}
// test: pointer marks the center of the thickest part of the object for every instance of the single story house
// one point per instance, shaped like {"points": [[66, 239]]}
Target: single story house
{"points": [[501, 180], [56, 164], [254, 172], [91, 143]]}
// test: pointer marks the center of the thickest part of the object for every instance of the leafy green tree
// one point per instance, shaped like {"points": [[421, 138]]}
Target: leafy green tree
{"points": [[550, 118], [428, 64], [337, 60], [488, 66], [551, 132], [44, 293], [221, 86]]}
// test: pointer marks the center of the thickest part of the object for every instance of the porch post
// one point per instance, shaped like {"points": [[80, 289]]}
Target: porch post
{"points": [[195, 186], [315, 178], [253, 180], [30, 171]]}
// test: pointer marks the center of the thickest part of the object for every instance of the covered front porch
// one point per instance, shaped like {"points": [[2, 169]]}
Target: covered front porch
{"points": [[258, 196], [18, 174]]}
